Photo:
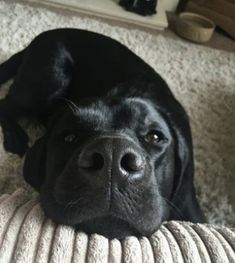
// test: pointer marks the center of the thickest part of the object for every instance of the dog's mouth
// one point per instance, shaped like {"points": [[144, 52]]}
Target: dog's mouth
{"points": [[108, 226], [105, 222], [110, 212], [93, 216], [111, 223]]}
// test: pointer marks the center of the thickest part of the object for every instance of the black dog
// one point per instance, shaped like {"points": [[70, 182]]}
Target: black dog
{"points": [[117, 157]]}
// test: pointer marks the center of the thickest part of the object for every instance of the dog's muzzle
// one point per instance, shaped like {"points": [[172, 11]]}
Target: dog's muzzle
{"points": [[116, 156], [107, 186]]}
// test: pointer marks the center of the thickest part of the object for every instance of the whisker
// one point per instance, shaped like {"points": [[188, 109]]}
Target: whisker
{"points": [[72, 203], [72, 106]]}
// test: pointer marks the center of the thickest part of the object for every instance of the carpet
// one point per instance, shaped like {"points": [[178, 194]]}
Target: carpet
{"points": [[203, 79]]}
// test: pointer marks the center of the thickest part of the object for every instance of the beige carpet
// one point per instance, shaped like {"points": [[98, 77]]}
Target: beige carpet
{"points": [[203, 79]]}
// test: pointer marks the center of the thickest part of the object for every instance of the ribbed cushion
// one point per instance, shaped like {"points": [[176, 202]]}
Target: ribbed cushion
{"points": [[26, 235]]}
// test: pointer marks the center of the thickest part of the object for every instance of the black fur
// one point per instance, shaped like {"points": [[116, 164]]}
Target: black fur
{"points": [[98, 166], [141, 7]]}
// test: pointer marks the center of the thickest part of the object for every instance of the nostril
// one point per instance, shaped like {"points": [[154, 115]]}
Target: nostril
{"points": [[132, 162], [92, 161]]}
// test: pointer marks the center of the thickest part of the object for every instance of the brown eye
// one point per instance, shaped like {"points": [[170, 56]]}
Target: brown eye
{"points": [[69, 138], [152, 137]]}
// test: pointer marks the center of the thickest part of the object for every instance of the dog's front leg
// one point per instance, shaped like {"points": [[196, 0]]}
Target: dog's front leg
{"points": [[15, 138]]}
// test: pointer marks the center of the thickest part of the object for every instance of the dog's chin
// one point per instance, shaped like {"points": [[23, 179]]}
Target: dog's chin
{"points": [[108, 226], [101, 223]]}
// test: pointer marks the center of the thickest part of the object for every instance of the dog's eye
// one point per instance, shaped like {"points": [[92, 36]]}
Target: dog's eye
{"points": [[152, 137], [70, 138]]}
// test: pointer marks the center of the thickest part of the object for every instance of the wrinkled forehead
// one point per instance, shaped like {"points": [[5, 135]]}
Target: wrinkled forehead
{"points": [[113, 113], [141, 109]]}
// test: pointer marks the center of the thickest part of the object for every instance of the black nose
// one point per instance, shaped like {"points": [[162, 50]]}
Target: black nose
{"points": [[112, 156]]}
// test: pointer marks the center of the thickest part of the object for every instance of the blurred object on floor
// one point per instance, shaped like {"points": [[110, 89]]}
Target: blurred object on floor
{"points": [[109, 9], [194, 27], [222, 12], [219, 40], [141, 7]]}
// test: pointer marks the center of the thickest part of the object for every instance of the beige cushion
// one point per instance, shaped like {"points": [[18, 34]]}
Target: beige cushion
{"points": [[26, 235]]}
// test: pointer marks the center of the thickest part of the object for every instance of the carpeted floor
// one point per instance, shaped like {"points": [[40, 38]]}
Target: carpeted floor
{"points": [[203, 79]]}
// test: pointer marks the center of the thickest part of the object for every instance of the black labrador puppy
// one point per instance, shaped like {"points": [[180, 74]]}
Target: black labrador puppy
{"points": [[116, 158]]}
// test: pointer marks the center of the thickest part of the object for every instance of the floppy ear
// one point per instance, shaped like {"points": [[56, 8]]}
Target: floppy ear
{"points": [[184, 196], [34, 164], [35, 161]]}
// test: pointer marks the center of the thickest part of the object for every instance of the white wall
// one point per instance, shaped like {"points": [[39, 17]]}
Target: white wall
{"points": [[170, 5]]}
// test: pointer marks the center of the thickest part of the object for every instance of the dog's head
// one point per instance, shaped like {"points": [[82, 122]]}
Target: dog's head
{"points": [[109, 166]]}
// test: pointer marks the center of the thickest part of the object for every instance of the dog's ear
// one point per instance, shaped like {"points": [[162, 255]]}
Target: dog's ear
{"points": [[35, 161], [34, 164], [183, 195]]}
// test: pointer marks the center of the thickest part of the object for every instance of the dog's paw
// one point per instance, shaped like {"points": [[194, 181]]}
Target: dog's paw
{"points": [[16, 141]]}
